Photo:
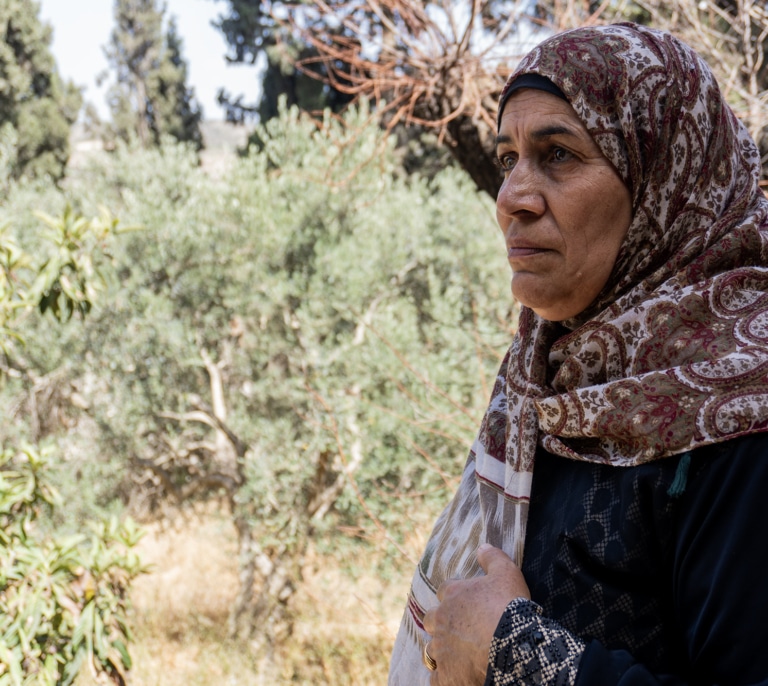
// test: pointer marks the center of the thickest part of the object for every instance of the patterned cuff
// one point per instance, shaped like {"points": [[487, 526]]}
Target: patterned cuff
{"points": [[530, 649]]}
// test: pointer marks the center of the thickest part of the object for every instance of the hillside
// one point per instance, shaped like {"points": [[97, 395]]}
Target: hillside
{"points": [[221, 138]]}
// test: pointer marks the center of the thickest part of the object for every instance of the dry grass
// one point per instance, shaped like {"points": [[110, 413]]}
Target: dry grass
{"points": [[343, 635]]}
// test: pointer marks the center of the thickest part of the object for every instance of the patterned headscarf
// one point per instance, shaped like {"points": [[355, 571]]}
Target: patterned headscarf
{"points": [[673, 353]]}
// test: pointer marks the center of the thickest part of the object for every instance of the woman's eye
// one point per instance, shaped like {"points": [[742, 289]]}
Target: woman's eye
{"points": [[560, 154], [506, 162]]}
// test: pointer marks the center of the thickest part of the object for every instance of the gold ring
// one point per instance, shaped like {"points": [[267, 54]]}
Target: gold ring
{"points": [[429, 661]]}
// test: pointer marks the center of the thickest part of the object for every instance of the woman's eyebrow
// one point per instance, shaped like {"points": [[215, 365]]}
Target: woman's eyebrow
{"points": [[539, 134], [554, 130]]}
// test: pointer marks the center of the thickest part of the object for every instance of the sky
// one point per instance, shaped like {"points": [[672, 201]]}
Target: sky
{"points": [[81, 28]]}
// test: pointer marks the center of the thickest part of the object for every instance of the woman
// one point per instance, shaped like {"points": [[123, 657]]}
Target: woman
{"points": [[634, 551]]}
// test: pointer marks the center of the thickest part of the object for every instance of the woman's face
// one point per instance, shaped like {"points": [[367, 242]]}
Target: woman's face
{"points": [[563, 209]]}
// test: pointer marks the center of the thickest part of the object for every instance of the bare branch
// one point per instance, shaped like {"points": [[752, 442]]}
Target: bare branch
{"points": [[198, 416], [205, 482]]}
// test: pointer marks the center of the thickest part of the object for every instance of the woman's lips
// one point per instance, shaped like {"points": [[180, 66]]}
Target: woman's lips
{"points": [[523, 251]]}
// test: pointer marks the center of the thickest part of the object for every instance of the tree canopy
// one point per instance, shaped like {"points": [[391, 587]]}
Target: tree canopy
{"points": [[150, 98], [37, 108], [252, 33], [441, 64], [307, 337]]}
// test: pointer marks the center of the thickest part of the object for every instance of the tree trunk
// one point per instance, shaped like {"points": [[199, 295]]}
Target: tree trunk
{"points": [[473, 146], [270, 611], [241, 616]]}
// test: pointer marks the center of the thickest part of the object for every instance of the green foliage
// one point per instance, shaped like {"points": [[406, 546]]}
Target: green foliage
{"points": [[68, 280], [353, 311], [341, 319], [174, 109], [251, 33], [384, 305], [34, 103], [151, 98], [65, 274], [62, 599], [246, 28]]}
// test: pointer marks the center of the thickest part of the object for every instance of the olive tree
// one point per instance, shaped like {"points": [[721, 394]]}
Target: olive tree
{"points": [[311, 339]]}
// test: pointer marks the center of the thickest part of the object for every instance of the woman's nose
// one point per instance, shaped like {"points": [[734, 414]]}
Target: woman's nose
{"points": [[520, 195]]}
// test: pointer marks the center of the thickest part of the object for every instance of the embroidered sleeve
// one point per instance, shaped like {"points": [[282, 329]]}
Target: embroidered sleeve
{"points": [[528, 648]]}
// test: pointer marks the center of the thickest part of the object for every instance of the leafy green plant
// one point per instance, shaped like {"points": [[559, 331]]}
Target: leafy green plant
{"points": [[62, 599], [68, 280]]}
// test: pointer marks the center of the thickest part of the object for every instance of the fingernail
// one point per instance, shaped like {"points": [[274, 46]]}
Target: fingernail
{"points": [[484, 547]]}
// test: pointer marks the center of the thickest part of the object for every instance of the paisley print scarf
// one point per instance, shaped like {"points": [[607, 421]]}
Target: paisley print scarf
{"points": [[673, 353]]}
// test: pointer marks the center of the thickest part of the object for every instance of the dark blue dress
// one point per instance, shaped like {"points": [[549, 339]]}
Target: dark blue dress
{"points": [[661, 569]]}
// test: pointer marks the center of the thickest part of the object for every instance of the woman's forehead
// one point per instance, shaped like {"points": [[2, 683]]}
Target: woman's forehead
{"points": [[538, 111]]}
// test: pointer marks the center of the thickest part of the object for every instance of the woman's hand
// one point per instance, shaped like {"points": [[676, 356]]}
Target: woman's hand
{"points": [[462, 625]]}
